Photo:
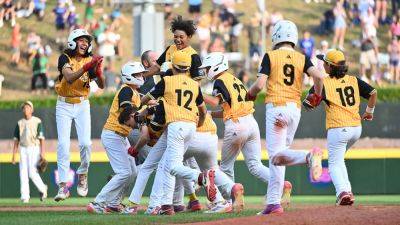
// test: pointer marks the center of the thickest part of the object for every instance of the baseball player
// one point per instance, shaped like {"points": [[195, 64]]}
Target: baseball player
{"points": [[341, 94], [114, 139], [77, 68], [183, 103], [183, 30], [203, 147], [283, 67], [28, 135]]}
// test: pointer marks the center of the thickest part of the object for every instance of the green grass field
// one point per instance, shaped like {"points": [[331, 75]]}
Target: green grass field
{"points": [[253, 203]]}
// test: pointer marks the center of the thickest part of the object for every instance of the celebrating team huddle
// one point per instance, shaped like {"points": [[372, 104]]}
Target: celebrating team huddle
{"points": [[165, 127]]}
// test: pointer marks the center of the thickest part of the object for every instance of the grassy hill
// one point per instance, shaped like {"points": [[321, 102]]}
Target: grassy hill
{"points": [[17, 79]]}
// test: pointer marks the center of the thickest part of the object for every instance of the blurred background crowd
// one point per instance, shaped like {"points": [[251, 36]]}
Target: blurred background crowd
{"points": [[375, 49]]}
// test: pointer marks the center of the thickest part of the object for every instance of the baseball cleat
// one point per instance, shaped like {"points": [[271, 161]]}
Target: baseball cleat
{"points": [[62, 194], [272, 209], [167, 210], [193, 206], [315, 163], [130, 210], [207, 180], [115, 209], [352, 198], [43, 195], [220, 207], [344, 198], [96, 208], [151, 210], [82, 187], [287, 191], [237, 195], [179, 208]]}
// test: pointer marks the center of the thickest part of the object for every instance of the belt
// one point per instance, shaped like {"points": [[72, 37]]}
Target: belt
{"points": [[72, 100]]}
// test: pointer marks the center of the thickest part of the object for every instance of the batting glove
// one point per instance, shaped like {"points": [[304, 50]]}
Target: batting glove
{"points": [[132, 151]]}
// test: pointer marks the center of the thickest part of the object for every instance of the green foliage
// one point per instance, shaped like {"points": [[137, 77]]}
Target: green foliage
{"points": [[384, 95]]}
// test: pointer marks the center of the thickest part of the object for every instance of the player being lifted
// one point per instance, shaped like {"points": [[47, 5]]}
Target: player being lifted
{"points": [[183, 31], [77, 68], [114, 139], [341, 94], [283, 67]]}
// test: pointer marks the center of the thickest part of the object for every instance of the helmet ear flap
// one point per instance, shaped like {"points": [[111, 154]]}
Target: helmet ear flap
{"points": [[71, 45]]}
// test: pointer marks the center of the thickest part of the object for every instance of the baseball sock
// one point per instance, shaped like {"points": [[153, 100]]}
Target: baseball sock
{"points": [[192, 197]]}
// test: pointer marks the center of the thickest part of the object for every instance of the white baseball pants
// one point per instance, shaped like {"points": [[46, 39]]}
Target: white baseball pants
{"points": [[148, 166], [339, 141], [279, 139], [80, 113], [29, 157], [243, 135], [178, 137], [122, 164]]}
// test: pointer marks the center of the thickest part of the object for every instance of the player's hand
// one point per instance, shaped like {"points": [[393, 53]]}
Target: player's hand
{"points": [[367, 116], [250, 97], [95, 60], [99, 68], [152, 103], [312, 100], [132, 151]]}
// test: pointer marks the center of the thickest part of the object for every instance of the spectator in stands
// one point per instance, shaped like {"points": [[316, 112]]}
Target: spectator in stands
{"points": [[380, 11], [393, 49], [195, 8], [89, 11], [255, 42], [60, 12], [340, 25], [7, 11], [369, 24], [230, 21], [324, 49], [368, 59], [33, 42], [108, 41], [38, 8], [148, 59], [204, 33], [395, 7], [363, 6], [40, 66], [307, 44], [98, 27], [72, 17], [15, 44], [394, 31], [217, 45]]}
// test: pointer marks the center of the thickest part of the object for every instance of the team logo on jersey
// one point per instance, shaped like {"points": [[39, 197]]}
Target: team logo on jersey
{"points": [[84, 77]]}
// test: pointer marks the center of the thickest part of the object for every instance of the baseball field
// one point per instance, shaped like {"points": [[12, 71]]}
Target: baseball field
{"points": [[369, 209]]}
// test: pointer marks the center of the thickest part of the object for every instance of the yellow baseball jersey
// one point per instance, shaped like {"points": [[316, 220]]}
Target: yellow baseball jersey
{"points": [[181, 95], [342, 98], [124, 96], [232, 92], [208, 125], [194, 71], [284, 68], [80, 87], [29, 132]]}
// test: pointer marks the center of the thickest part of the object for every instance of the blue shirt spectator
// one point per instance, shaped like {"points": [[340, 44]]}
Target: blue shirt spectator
{"points": [[307, 44]]}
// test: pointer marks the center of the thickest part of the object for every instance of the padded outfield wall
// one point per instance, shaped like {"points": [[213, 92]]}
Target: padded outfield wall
{"points": [[377, 173]]}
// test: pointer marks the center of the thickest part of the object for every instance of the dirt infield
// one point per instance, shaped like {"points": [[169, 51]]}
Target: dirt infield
{"points": [[327, 215]]}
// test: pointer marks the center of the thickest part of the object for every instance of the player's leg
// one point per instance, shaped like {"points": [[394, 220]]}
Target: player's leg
{"points": [[33, 158], [156, 194], [276, 127], [23, 174], [179, 193], [356, 135], [234, 137], [179, 133], [252, 150], [64, 115], [337, 143], [83, 129], [148, 166], [115, 146]]}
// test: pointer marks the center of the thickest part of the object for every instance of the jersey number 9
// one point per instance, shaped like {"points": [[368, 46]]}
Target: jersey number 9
{"points": [[288, 71]]}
